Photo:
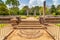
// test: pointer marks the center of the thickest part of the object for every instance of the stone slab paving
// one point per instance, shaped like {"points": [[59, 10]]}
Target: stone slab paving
{"points": [[30, 19], [54, 31], [5, 31], [15, 36]]}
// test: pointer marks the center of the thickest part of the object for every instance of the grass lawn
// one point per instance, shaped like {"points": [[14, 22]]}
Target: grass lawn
{"points": [[58, 25], [37, 17], [24, 16], [2, 25]]}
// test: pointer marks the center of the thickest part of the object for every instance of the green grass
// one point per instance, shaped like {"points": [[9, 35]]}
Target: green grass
{"points": [[24, 16], [37, 17], [58, 25], [2, 25]]}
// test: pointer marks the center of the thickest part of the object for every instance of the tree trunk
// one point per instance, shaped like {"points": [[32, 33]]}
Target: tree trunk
{"points": [[27, 13], [34, 12], [39, 13]]}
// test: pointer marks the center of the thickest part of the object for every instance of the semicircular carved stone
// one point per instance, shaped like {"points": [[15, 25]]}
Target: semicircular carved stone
{"points": [[30, 33]]}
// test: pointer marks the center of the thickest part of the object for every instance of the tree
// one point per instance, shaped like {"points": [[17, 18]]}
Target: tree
{"points": [[14, 4], [47, 11], [35, 10], [58, 10], [41, 10], [58, 7], [26, 8], [22, 12], [1, 2], [14, 11], [53, 9], [31, 11], [3, 9]]}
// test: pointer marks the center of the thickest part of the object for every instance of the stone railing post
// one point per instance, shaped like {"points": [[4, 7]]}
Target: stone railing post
{"points": [[13, 21]]}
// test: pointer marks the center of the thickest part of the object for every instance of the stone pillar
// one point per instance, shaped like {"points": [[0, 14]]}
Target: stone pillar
{"points": [[44, 10], [14, 21]]}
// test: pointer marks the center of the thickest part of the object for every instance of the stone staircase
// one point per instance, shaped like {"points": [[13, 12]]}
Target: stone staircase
{"points": [[30, 25]]}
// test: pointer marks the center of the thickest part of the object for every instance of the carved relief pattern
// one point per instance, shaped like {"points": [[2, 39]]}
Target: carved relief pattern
{"points": [[30, 33]]}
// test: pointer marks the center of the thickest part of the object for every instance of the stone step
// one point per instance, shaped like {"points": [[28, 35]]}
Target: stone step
{"points": [[29, 25], [29, 22], [25, 27]]}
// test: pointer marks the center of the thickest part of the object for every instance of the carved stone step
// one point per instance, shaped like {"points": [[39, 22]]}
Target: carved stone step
{"points": [[30, 28], [29, 25]]}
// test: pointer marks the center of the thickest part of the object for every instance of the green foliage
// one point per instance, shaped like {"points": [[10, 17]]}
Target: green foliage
{"points": [[58, 25], [14, 11], [41, 10], [47, 11], [3, 10], [53, 9], [34, 10], [14, 3], [24, 17], [37, 17], [58, 7], [54, 14], [2, 25], [58, 10], [1, 2], [37, 10], [22, 12]]}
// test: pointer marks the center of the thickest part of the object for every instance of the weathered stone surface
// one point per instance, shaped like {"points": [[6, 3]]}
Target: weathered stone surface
{"points": [[17, 36], [54, 31], [5, 31]]}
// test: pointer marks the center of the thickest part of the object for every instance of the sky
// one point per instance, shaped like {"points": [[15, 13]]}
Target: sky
{"points": [[32, 3]]}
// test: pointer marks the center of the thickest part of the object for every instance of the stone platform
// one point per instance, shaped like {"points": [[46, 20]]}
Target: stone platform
{"points": [[23, 35]]}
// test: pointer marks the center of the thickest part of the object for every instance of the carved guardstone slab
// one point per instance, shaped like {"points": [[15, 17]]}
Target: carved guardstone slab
{"points": [[14, 21]]}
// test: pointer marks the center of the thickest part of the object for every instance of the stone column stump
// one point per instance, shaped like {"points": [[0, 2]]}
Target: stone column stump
{"points": [[14, 21]]}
